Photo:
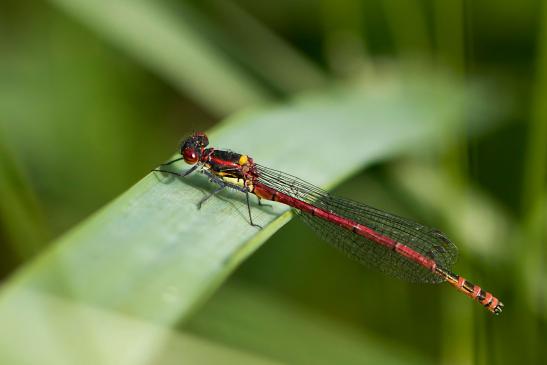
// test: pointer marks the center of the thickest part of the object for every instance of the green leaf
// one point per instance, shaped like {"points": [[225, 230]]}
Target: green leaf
{"points": [[183, 57], [153, 255]]}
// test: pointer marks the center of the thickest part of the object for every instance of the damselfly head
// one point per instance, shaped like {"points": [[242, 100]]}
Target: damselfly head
{"points": [[192, 148]]}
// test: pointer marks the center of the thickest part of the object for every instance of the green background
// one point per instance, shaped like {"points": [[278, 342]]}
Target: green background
{"points": [[430, 109]]}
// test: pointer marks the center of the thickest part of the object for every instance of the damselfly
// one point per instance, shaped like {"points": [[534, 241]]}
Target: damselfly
{"points": [[395, 245]]}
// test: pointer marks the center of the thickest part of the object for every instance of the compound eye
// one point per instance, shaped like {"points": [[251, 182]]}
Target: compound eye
{"points": [[190, 156]]}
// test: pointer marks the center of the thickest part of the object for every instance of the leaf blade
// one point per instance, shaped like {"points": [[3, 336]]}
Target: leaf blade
{"points": [[151, 254]]}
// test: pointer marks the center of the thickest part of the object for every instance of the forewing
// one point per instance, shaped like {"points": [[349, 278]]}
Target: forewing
{"points": [[425, 240]]}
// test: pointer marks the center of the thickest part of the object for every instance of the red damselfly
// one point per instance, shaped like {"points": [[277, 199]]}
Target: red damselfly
{"points": [[395, 245]]}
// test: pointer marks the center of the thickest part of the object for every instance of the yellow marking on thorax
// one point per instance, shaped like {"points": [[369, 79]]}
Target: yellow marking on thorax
{"points": [[234, 181], [239, 182], [230, 179], [243, 159]]}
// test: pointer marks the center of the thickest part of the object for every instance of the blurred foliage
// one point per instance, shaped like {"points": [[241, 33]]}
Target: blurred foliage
{"points": [[94, 94]]}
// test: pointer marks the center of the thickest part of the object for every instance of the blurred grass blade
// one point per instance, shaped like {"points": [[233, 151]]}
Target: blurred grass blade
{"points": [[449, 30], [476, 222], [263, 52], [449, 23], [20, 215], [345, 45], [252, 319], [166, 43], [408, 26], [63, 332], [534, 257]]}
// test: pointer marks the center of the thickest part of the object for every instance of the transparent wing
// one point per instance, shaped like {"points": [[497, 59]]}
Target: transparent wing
{"points": [[425, 240]]}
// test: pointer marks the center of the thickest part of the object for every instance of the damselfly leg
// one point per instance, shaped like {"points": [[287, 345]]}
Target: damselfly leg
{"points": [[215, 192], [223, 184], [179, 174]]}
